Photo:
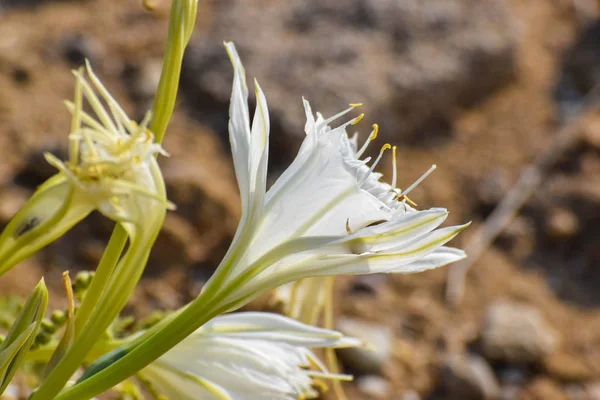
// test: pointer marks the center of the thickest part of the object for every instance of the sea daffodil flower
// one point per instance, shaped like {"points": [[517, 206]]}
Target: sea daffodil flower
{"points": [[327, 214], [246, 355], [111, 168]]}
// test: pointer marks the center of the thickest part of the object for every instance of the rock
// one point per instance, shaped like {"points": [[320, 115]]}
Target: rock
{"points": [[517, 333], [410, 395], [590, 132], [373, 386], [175, 244], [469, 377], [12, 199], [562, 224], [377, 336], [593, 390], [207, 211], [491, 190], [568, 367], [142, 80], [367, 284], [78, 48], [580, 72], [509, 392], [543, 389], [411, 63]]}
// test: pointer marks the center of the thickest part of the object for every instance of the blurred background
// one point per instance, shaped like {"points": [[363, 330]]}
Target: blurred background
{"points": [[486, 89]]}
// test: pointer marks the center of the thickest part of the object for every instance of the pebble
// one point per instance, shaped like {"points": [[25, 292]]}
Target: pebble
{"points": [[373, 386], [410, 395], [517, 333], [568, 367], [562, 224], [593, 390], [469, 377], [368, 361]]}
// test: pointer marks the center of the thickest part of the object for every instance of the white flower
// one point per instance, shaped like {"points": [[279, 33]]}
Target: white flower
{"points": [[111, 168], [249, 355], [327, 214], [112, 164]]}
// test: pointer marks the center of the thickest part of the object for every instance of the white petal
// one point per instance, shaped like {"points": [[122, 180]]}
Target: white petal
{"points": [[239, 125], [401, 229], [438, 258], [270, 327]]}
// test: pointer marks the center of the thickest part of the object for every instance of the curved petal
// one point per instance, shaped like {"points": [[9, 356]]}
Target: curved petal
{"points": [[239, 126]]}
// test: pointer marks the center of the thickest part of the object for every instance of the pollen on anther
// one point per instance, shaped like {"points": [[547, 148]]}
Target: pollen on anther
{"points": [[357, 119], [373, 135], [354, 105]]}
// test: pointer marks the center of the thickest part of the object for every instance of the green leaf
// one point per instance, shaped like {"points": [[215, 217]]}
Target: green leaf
{"points": [[22, 333]]}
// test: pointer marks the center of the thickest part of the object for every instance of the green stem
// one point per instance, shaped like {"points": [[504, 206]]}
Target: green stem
{"points": [[103, 272], [181, 25]]}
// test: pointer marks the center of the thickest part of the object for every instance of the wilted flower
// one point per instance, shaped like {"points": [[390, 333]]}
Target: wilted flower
{"points": [[249, 355], [327, 214], [111, 168]]}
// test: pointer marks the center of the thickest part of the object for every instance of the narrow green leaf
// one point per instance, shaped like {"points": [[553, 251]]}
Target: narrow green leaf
{"points": [[22, 333]]}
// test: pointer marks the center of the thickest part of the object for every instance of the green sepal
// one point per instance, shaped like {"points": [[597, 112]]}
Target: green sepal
{"points": [[102, 362], [49, 213], [22, 333]]}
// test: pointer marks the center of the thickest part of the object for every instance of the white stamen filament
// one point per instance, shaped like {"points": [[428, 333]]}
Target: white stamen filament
{"points": [[371, 137], [421, 179], [336, 116], [385, 147]]}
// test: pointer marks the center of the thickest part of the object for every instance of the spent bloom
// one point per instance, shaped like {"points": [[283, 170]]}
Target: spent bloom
{"points": [[329, 213], [247, 355], [111, 167]]}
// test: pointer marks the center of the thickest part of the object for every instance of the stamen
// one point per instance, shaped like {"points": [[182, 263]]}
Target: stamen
{"points": [[348, 230], [394, 173], [421, 179], [117, 112], [357, 119], [385, 147], [95, 102], [336, 116], [75, 124], [371, 137], [354, 105]]}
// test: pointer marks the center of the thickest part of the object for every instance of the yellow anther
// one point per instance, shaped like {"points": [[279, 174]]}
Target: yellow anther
{"points": [[357, 119], [320, 385], [385, 147], [149, 5], [409, 201], [354, 105], [373, 135]]}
